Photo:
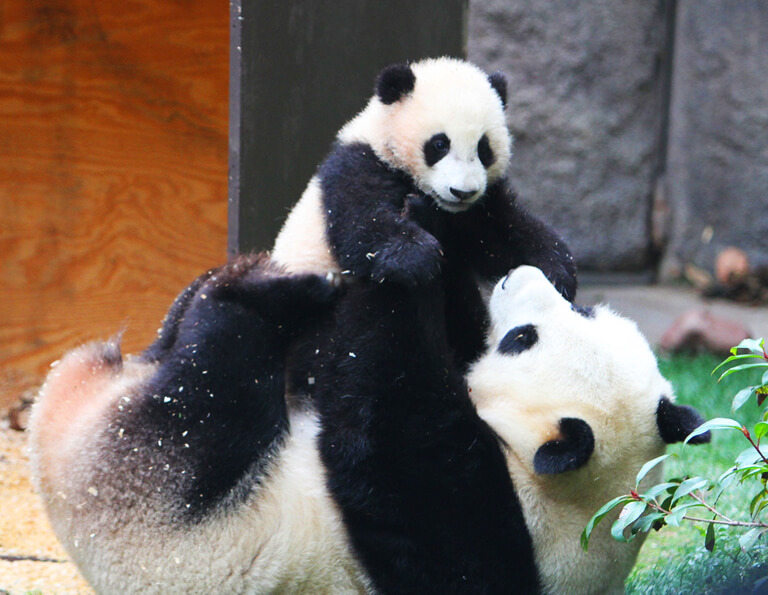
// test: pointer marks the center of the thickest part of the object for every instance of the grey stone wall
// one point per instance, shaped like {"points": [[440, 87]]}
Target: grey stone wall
{"points": [[717, 178], [633, 176], [586, 109]]}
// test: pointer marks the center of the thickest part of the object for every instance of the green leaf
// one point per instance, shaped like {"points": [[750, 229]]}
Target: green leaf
{"points": [[741, 368], [749, 538], [719, 423], [646, 522], [648, 466], [754, 506], [755, 345], [678, 513], [742, 397], [599, 516], [690, 485], [752, 471], [759, 508], [748, 456], [709, 539], [726, 478], [737, 358], [761, 429], [628, 515], [658, 489]]}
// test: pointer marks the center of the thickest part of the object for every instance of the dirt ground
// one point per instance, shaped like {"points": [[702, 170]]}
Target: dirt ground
{"points": [[31, 559]]}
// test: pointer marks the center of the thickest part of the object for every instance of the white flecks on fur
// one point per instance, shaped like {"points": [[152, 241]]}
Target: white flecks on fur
{"points": [[287, 537]]}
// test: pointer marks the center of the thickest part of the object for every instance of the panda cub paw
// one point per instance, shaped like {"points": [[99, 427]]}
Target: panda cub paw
{"points": [[410, 261]]}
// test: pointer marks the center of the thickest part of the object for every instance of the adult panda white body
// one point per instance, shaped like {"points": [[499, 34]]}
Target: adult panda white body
{"points": [[415, 185], [185, 470]]}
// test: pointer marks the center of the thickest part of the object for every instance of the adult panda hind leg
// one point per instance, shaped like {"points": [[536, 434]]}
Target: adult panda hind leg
{"points": [[126, 449]]}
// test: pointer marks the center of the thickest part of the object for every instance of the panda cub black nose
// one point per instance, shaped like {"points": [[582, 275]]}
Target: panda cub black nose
{"points": [[463, 194]]}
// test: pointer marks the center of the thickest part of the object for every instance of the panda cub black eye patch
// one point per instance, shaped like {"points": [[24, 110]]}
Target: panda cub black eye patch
{"points": [[485, 153], [519, 339], [436, 148]]}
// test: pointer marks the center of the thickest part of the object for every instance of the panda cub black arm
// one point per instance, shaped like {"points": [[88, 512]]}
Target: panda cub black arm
{"points": [[365, 226], [515, 237], [498, 234]]}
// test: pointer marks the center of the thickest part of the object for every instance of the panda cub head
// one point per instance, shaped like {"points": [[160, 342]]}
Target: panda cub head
{"points": [[441, 121], [576, 397]]}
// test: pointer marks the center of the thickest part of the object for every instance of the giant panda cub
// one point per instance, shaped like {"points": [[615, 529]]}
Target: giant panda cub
{"points": [[418, 174], [182, 470]]}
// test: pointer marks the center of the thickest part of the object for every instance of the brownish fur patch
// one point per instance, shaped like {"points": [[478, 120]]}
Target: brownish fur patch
{"points": [[72, 403]]}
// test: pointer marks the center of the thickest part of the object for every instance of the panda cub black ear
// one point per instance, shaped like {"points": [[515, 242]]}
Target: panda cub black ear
{"points": [[499, 84], [394, 82]]}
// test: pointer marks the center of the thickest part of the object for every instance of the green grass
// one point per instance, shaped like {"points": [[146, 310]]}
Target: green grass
{"points": [[674, 560]]}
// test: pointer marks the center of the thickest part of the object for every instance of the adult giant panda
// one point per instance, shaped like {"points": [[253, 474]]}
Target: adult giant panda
{"points": [[418, 173], [186, 470]]}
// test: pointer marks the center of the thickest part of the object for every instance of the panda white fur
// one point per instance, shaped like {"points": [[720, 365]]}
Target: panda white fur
{"points": [[182, 470], [418, 173], [561, 363]]}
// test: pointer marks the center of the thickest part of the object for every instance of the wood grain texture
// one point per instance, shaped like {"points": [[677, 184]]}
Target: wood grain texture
{"points": [[113, 167]]}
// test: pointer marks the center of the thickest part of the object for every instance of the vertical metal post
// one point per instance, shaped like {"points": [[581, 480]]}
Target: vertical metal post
{"points": [[298, 71]]}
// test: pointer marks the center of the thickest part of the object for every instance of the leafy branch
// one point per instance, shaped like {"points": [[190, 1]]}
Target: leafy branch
{"points": [[694, 499]]}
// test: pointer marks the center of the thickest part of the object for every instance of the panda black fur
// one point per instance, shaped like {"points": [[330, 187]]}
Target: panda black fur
{"points": [[186, 470], [415, 182]]}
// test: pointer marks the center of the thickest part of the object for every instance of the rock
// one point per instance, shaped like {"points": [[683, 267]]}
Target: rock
{"points": [[585, 107], [699, 330], [731, 266]]}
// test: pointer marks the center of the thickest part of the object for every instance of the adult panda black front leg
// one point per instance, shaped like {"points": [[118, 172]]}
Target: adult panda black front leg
{"points": [[171, 471], [420, 479], [219, 386]]}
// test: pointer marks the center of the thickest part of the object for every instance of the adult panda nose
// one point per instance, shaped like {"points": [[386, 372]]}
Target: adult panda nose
{"points": [[463, 194]]}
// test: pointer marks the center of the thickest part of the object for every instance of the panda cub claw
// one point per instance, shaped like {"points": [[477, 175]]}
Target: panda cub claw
{"points": [[411, 262]]}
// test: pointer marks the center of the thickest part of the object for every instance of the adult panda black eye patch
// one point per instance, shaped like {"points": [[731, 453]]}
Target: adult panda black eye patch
{"points": [[519, 339]]}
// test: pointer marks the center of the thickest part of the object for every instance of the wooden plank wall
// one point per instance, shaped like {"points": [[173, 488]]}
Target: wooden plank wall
{"points": [[113, 168]]}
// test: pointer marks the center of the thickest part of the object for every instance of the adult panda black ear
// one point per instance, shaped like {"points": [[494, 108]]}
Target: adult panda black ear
{"points": [[499, 84], [569, 452], [394, 82], [675, 422]]}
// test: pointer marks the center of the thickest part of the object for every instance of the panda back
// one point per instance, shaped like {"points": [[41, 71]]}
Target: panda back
{"points": [[301, 245]]}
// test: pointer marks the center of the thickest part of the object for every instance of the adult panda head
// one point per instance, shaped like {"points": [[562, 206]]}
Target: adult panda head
{"points": [[442, 122], [576, 396]]}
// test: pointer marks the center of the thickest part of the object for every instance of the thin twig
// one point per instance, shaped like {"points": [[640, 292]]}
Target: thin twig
{"points": [[12, 558]]}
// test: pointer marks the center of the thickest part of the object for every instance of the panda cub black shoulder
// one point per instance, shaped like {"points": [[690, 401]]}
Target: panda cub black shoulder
{"points": [[416, 183], [184, 469]]}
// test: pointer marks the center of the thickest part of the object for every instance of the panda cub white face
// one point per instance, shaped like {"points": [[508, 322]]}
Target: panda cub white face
{"points": [[448, 130]]}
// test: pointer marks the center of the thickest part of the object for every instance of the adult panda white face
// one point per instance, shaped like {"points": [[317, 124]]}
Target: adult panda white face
{"points": [[441, 121], [576, 396]]}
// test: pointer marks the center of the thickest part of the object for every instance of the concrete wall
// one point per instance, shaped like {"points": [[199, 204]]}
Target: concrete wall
{"points": [[717, 171], [631, 183]]}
